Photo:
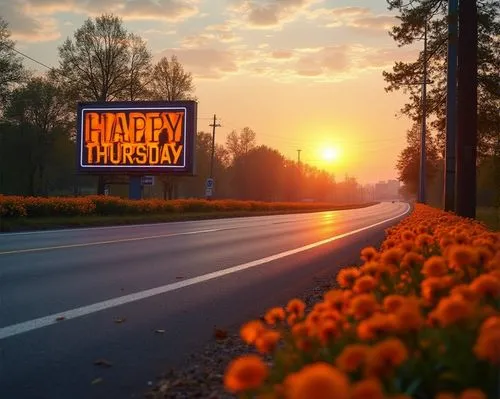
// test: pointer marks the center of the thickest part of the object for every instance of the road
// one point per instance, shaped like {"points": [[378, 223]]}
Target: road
{"points": [[61, 291]]}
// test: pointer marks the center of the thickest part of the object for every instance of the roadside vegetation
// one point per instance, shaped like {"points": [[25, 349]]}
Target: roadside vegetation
{"points": [[419, 319], [22, 213]]}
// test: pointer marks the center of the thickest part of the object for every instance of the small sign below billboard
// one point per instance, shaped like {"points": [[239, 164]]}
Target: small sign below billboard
{"points": [[208, 192], [148, 180]]}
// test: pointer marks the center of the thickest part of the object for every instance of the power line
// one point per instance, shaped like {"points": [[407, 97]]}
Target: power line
{"points": [[28, 57]]}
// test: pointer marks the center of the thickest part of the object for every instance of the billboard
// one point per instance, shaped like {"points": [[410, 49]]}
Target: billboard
{"points": [[139, 137]]}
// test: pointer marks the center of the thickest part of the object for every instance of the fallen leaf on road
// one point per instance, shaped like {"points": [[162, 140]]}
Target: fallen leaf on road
{"points": [[96, 381], [102, 362], [160, 331], [60, 318], [220, 334], [119, 320]]}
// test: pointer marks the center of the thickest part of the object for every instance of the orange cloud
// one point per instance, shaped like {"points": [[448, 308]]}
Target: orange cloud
{"points": [[354, 17], [205, 63], [270, 13]]}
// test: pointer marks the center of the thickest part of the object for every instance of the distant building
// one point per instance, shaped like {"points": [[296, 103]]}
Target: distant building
{"points": [[387, 190]]}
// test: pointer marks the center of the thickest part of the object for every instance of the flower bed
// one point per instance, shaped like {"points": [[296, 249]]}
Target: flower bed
{"points": [[33, 207], [419, 319]]}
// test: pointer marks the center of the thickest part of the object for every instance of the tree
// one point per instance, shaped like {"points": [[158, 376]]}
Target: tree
{"points": [[240, 144], [258, 174], [104, 62], [404, 75], [479, 26], [408, 164], [170, 82], [39, 115], [11, 67]]}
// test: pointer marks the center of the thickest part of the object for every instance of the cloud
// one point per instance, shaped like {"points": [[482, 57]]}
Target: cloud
{"points": [[205, 63], [269, 13], [353, 17], [28, 27], [34, 20], [222, 33], [282, 54]]}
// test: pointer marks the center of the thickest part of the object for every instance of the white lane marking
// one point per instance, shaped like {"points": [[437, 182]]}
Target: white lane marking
{"points": [[129, 226], [41, 322], [88, 244]]}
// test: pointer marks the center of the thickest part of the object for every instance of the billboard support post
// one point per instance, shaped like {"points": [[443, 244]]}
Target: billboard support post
{"points": [[135, 188]]}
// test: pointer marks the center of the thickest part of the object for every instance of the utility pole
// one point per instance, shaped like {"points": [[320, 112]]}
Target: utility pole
{"points": [[422, 177], [298, 157], [451, 108], [467, 110], [213, 125]]}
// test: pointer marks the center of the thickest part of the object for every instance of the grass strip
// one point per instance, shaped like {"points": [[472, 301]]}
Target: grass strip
{"points": [[62, 222]]}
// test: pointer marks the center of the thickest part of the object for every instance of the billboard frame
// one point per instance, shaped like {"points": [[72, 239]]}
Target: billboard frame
{"points": [[190, 133]]}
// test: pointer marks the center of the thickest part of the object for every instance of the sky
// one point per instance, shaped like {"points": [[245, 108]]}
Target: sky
{"points": [[303, 74]]}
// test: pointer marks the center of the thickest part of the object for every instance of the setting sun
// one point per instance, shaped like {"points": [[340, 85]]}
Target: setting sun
{"points": [[330, 154]]}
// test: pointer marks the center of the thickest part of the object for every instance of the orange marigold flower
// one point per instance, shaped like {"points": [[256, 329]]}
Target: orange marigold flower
{"points": [[486, 285], [393, 302], [435, 266], [464, 291], [300, 330], [462, 255], [446, 241], [377, 324], [431, 287], [363, 306], [385, 356], [422, 229], [370, 388], [407, 235], [318, 381], [472, 394], [244, 373], [407, 245], [392, 256], [491, 323], [368, 254], [388, 244], [461, 239], [327, 330], [251, 330], [409, 316], [485, 254], [291, 319], [296, 306], [370, 268], [267, 341], [424, 240], [352, 357], [488, 346], [274, 315], [337, 298], [347, 276], [411, 260], [364, 284], [452, 310]]}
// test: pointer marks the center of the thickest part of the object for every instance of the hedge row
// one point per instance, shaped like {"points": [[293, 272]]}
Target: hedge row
{"points": [[33, 207]]}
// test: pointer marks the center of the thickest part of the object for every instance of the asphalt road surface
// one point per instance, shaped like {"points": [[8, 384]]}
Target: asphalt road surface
{"points": [[61, 291]]}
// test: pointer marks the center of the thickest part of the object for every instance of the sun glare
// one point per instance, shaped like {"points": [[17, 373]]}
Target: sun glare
{"points": [[330, 154]]}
